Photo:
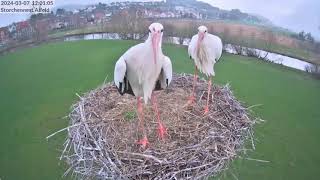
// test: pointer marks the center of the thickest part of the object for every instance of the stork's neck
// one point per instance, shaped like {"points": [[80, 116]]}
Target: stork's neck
{"points": [[149, 43]]}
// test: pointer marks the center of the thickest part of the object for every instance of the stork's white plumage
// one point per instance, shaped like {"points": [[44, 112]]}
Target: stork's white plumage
{"points": [[142, 64], [142, 69], [205, 49]]}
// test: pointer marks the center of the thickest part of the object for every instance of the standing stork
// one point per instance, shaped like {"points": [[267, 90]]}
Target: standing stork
{"points": [[205, 49], [141, 70]]}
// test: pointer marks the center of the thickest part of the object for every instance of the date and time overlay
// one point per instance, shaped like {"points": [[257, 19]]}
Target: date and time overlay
{"points": [[26, 6]]}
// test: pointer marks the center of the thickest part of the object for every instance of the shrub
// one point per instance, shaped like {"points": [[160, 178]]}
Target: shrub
{"points": [[314, 69]]}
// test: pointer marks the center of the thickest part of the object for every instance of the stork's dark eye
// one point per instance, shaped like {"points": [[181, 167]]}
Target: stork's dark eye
{"points": [[161, 30], [205, 31]]}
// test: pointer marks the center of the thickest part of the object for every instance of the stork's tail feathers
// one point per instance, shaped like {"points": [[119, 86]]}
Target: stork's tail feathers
{"points": [[119, 74]]}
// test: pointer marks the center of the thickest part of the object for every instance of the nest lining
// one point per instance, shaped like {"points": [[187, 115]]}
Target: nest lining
{"points": [[102, 136]]}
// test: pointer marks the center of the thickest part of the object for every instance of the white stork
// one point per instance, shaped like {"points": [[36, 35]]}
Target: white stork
{"points": [[141, 70], [205, 49]]}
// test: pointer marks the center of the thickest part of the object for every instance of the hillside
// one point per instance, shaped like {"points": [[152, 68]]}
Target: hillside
{"points": [[214, 13], [198, 9]]}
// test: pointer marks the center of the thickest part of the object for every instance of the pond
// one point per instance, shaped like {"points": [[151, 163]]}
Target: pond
{"points": [[272, 57]]}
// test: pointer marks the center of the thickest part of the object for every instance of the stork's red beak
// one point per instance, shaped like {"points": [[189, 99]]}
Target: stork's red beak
{"points": [[155, 45], [200, 39]]}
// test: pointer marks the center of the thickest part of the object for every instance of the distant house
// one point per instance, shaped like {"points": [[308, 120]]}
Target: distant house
{"points": [[75, 11], [66, 22], [89, 9], [12, 28], [4, 34], [159, 14], [90, 18], [71, 21], [57, 25], [99, 17], [24, 30], [108, 14]]}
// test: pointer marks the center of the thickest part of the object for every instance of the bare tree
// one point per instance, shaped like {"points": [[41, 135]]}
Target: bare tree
{"points": [[169, 31], [270, 40], [75, 19], [182, 30], [41, 30], [239, 47], [317, 47], [252, 39], [169, 28], [128, 23], [314, 69], [226, 35], [40, 27]]}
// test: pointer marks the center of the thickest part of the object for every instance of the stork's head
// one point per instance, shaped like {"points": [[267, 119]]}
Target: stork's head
{"points": [[155, 32], [202, 29], [202, 32]]}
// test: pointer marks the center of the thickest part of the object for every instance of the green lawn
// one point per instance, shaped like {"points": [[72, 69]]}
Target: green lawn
{"points": [[38, 85]]}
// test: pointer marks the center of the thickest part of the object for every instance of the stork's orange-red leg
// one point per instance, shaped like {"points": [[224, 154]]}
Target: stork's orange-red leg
{"points": [[144, 141], [162, 131], [192, 98], [206, 109]]}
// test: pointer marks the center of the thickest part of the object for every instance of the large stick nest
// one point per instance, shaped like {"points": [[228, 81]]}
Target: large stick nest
{"points": [[103, 134]]}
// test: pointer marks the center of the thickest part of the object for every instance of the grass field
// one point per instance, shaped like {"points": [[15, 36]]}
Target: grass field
{"points": [[38, 85]]}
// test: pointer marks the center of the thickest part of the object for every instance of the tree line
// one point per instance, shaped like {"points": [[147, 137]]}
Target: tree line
{"points": [[303, 36]]}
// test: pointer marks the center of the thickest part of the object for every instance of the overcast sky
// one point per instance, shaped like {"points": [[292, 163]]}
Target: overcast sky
{"points": [[293, 14]]}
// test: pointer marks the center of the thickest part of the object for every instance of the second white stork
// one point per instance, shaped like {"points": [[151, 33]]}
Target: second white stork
{"points": [[205, 49], [140, 71]]}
